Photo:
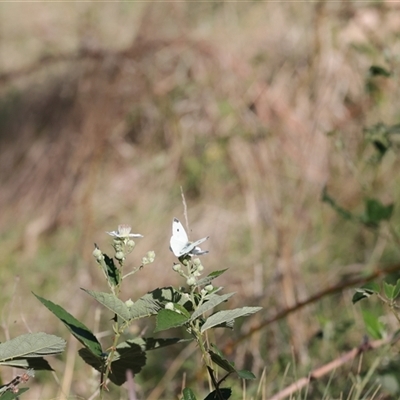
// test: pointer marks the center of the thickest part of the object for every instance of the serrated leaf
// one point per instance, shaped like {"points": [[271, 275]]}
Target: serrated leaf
{"points": [[218, 357], [147, 344], [127, 356], [167, 319], [77, 328], [31, 345], [112, 272], [224, 393], [396, 290], [182, 310], [375, 212], [388, 289], [8, 395], [151, 303], [244, 374], [38, 364], [210, 277], [221, 361], [213, 301], [188, 394], [225, 316], [365, 291], [95, 361], [112, 302], [374, 327]]}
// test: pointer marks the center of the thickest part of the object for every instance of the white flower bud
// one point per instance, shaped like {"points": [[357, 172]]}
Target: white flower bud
{"points": [[200, 268], [191, 281], [119, 255], [151, 256], [209, 288], [196, 262], [203, 292], [97, 254], [129, 303], [170, 306], [177, 267]]}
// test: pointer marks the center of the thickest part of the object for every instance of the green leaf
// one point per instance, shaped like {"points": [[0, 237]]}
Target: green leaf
{"points": [[219, 359], [244, 374], [374, 327], [8, 395], [127, 356], [31, 345], [213, 301], [112, 272], [225, 393], [188, 394], [147, 344], [151, 303], [112, 302], [226, 316], [38, 364], [167, 319], [389, 290], [376, 70], [77, 328], [365, 291], [375, 212], [396, 290], [95, 361], [210, 277]]}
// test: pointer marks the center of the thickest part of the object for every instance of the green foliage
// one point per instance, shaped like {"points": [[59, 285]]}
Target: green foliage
{"points": [[77, 328], [172, 307]]}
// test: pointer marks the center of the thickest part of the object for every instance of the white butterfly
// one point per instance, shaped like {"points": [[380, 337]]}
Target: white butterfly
{"points": [[179, 243]]}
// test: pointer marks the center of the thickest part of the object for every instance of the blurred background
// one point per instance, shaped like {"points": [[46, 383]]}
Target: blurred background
{"points": [[107, 110]]}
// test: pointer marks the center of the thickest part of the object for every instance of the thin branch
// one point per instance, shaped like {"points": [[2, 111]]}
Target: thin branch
{"points": [[230, 345], [331, 366]]}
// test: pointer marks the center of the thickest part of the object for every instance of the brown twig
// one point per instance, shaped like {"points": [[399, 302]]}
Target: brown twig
{"points": [[230, 345], [331, 366]]}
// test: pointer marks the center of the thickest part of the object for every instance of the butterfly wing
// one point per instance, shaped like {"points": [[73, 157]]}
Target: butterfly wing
{"points": [[195, 250], [179, 239]]}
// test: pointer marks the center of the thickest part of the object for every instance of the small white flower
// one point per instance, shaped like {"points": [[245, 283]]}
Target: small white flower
{"points": [[124, 232]]}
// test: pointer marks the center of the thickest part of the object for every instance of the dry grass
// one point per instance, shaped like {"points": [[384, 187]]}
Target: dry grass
{"points": [[109, 108]]}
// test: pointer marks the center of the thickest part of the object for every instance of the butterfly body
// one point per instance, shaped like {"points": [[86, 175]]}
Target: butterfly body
{"points": [[180, 244]]}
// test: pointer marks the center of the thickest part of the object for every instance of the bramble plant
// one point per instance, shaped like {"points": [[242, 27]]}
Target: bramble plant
{"points": [[27, 352], [191, 308]]}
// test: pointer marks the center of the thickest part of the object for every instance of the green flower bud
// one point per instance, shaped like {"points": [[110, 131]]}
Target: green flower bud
{"points": [[209, 288], [203, 292], [200, 268], [196, 273]]}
